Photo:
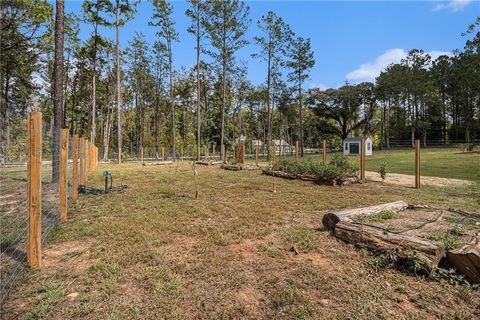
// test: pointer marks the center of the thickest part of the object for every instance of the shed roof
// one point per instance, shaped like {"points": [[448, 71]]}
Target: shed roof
{"points": [[355, 139]]}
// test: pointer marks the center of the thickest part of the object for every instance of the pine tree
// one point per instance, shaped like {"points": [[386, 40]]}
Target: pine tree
{"points": [[301, 61]]}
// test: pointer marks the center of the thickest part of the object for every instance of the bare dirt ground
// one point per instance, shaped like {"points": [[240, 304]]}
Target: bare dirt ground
{"points": [[409, 180]]}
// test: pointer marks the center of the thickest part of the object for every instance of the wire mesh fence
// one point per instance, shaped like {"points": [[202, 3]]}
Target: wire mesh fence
{"points": [[14, 201]]}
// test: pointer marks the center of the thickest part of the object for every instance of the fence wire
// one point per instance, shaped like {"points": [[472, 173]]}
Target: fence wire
{"points": [[14, 209]]}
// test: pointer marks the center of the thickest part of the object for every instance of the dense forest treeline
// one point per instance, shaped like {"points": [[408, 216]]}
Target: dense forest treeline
{"points": [[133, 97]]}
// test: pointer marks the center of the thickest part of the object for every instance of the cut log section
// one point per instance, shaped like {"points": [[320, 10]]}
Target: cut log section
{"points": [[162, 163], [330, 220], [427, 253], [238, 167], [467, 260]]}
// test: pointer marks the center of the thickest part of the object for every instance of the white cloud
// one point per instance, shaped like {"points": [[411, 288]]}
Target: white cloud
{"points": [[454, 5], [321, 86], [369, 71]]}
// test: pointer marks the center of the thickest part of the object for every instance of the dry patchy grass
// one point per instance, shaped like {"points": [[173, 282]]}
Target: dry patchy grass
{"points": [[153, 252]]}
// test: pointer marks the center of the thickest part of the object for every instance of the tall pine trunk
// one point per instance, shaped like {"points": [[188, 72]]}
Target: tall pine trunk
{"points": [[119, 93], [198, 83], [58, 119], [171, 101]]}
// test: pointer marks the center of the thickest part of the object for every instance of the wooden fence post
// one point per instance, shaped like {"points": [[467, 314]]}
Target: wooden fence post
{"points": [[82, 161], [324, 151], [256, 155], [87, 159], [63, 174], [34, 178], [417, 164], [75, 168], [362, 160], [243, 153], [296, 150]]}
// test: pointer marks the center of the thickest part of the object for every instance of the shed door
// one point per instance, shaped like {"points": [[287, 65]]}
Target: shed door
{"points": [[354, 148]]}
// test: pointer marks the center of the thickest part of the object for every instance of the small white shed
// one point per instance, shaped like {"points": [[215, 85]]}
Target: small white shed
{"points": [[351, 146]]}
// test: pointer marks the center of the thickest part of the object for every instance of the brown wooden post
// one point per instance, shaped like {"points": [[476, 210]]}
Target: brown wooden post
{"points": [[243, 153], [324, 151], [87, 160], [82, 161], [417, 164], [63, 174], [296, 150], [34, 183], [362, 160], [256, 155], [141, 157], [75, 168]]}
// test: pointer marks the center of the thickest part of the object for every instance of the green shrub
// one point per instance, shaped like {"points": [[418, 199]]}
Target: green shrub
{"points": [[383, 170], [338, 169]]}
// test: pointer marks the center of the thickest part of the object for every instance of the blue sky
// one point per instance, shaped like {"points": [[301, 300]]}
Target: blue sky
{"points": [[352, 40]]}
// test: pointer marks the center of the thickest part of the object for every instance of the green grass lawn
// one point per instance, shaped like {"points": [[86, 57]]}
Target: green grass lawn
{"points": [[153, 252], [436, 162]]}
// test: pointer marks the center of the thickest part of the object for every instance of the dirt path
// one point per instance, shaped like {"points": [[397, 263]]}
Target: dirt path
{"points": [[409, 180]]}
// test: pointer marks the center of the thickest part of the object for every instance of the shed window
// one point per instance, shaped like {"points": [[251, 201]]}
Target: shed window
{"points": [[346, 146], [368, 145]]}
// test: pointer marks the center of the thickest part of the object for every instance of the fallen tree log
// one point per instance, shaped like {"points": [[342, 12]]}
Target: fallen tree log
{"points": [[231, 167], [203, 163], [279, 174], [158, 163], [467, 260], [426, 253], [331, 219]]}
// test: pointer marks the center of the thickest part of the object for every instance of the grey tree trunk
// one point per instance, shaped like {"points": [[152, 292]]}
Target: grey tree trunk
{"points": [[119, 93], [58, 118], [198, 83], [171, 101]]}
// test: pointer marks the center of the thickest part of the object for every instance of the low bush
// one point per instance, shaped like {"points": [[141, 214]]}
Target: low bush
{"points": [[338, 169]]}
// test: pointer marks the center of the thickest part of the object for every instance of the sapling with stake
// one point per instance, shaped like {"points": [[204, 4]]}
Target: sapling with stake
{"points": [[195, 174]]}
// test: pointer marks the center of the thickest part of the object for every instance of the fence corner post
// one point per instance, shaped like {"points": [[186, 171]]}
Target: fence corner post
{"points": [[63, 174], [34, 178], [75, 168], [417, 164]]}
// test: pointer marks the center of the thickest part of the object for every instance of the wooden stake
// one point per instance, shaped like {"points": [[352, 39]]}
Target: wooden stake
{"points": [[75, 168], [256, 155], [296, 150], [82, 161], [417, 164], [34, 174], [324, 151], [63, 174]]}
